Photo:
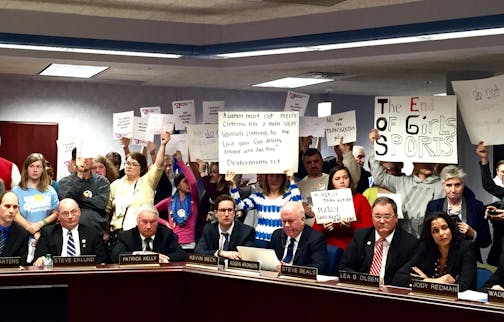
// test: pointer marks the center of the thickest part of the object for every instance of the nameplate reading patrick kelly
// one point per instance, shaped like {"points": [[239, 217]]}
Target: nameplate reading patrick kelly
{"points": [[9, 262], [84, 260], [146, 259]]}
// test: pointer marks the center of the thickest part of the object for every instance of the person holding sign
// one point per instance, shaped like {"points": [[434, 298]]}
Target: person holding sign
{"points": [[443, 256], [340, 234], [267, 203], [416, 190], [461, 204]]}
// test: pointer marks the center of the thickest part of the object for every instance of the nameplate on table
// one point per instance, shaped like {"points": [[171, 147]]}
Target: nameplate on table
{"points": [[436, 289], [144, 259], [9, 262], [495, 296], [359, 279], [84, 260], [208, 260], [299, 271], [248, 265]]}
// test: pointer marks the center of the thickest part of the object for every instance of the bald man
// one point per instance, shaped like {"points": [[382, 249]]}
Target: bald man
{"points": [[57, 239], [14, 238]]}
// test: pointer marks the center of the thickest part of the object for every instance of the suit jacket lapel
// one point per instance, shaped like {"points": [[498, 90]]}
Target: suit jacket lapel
{"points": [[58, 236], [369, 249]]}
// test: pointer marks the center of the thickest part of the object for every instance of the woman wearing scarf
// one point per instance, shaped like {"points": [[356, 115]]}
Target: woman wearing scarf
{"points": [[182, 207]]}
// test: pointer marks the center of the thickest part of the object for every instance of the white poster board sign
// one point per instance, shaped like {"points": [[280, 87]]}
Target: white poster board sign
{"points": [[122, 124], [258, 142], [416, 129], [481, 104], [65, 148], [296, 102], [178, 142], [185, 113], [397, 198], [312, 125], [333, 206], [203, 142], [211, 111], [145, 111], [140, 134], [341, 125], [156, 123]]}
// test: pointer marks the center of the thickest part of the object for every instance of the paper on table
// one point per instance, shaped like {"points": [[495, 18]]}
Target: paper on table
{"points": [[473, 296]]}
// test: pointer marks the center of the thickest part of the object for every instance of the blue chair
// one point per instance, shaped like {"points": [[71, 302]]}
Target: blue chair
{"points": [[483, 274], [334, 254]]}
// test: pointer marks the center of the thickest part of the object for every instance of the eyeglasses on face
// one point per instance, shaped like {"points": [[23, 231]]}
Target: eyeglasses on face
{"points": [[67, 214], [223, 210], [131, 164], [384, 217]]}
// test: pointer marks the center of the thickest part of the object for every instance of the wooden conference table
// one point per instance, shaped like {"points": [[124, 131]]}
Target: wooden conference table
{"points": [[176, 292]]}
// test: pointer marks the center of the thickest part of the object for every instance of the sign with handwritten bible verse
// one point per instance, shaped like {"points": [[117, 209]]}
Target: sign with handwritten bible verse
{"points": [[333, 206], [258, 142], [416, 128]]}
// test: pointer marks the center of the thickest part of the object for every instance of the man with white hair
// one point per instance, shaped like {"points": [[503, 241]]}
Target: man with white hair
{"points": [[148, 236], [9, 172], [365, 176]]}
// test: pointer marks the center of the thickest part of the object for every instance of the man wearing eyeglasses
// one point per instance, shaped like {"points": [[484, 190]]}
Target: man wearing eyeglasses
{"points": [[382, 249], [68, 237], [222, 238]]}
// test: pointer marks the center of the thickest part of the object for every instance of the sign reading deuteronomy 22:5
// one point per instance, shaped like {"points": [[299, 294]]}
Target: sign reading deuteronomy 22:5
{"points": [[258, 142], [416, 128]]}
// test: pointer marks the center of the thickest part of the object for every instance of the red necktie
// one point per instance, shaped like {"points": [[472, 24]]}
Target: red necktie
{"points": [[377, 258]]}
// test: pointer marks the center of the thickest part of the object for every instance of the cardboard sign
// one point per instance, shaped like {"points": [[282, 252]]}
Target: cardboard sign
{"points": [[211, 111], [296, 102], [185, 113], [122, 124]]}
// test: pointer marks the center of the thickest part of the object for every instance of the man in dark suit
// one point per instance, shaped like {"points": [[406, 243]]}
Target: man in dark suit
{"points": [[13, 237], [68, 237], [296, 243], [148, 236], [397, 245], [222, 237]]}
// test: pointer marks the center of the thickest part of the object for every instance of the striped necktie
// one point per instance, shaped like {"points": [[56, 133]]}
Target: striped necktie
{"points": [[2, 241], [377, 258], [70, 245]]}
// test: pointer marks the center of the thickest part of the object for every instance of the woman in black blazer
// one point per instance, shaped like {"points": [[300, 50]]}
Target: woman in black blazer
{"points": [[442, 257]]}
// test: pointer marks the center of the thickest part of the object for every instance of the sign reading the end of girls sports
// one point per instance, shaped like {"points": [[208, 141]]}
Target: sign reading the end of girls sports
{"points": [[258, 142], [416, 128], [333, 206]]}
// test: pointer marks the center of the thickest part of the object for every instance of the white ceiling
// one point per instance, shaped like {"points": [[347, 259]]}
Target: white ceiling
{"points": [[410, 69]]}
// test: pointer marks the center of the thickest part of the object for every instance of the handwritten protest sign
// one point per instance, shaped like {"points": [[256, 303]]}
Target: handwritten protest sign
{"points": [[258, 142], [203, 142], [65, 148], [341, 125], [312, 125], [178, 142], [296, 102], [416, 128], [480, 102], [211, 111], [333, 205], [185, 113], [122, 124]]}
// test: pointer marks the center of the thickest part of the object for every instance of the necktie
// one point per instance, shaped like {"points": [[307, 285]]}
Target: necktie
{"points": [[70, 245], [377, 258], [225, 246], [147, 244], [290, 251], [2, 241]]}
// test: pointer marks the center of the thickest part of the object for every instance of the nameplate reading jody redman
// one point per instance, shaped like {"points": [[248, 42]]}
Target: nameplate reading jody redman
{"points": [[299, 271], [84, 260], [145, 259], [437, 289], [248, 265], [359, 279], [202, 259], [9, 262], [495, 296]]}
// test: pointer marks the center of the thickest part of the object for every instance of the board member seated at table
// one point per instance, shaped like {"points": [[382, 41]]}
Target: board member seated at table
{"points": [[68, 237], [296, 243], [383, 249], [13, 237], [443, 256], [149, 236], [222, 237]]}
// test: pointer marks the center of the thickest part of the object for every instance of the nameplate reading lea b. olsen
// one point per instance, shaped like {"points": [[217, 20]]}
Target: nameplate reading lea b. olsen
{"points": [[9, 262], [299, 271], [144, 259], [359, 278], [437, 289], [238, 264], [495, 296], [84, 260], [202, 259]]}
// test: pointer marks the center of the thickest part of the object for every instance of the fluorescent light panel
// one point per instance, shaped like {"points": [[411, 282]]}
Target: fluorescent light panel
{"points": [[78, 71], [292, 82]]}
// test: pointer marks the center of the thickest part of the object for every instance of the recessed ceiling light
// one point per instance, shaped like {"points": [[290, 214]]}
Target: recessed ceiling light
{"points": [[78, 71], [292, 82]]}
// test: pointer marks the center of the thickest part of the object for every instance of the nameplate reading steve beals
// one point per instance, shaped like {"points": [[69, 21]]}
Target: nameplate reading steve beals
{"points": [[139, 259], [359, 279], [238, 264], [299, 271], [437, 289], [495, 296], [85, 260], [202, 259], [9, 262]]}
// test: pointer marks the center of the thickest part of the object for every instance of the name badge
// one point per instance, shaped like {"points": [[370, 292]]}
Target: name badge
{"points": [[495, 296], [207, 260], [243, 265]]}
